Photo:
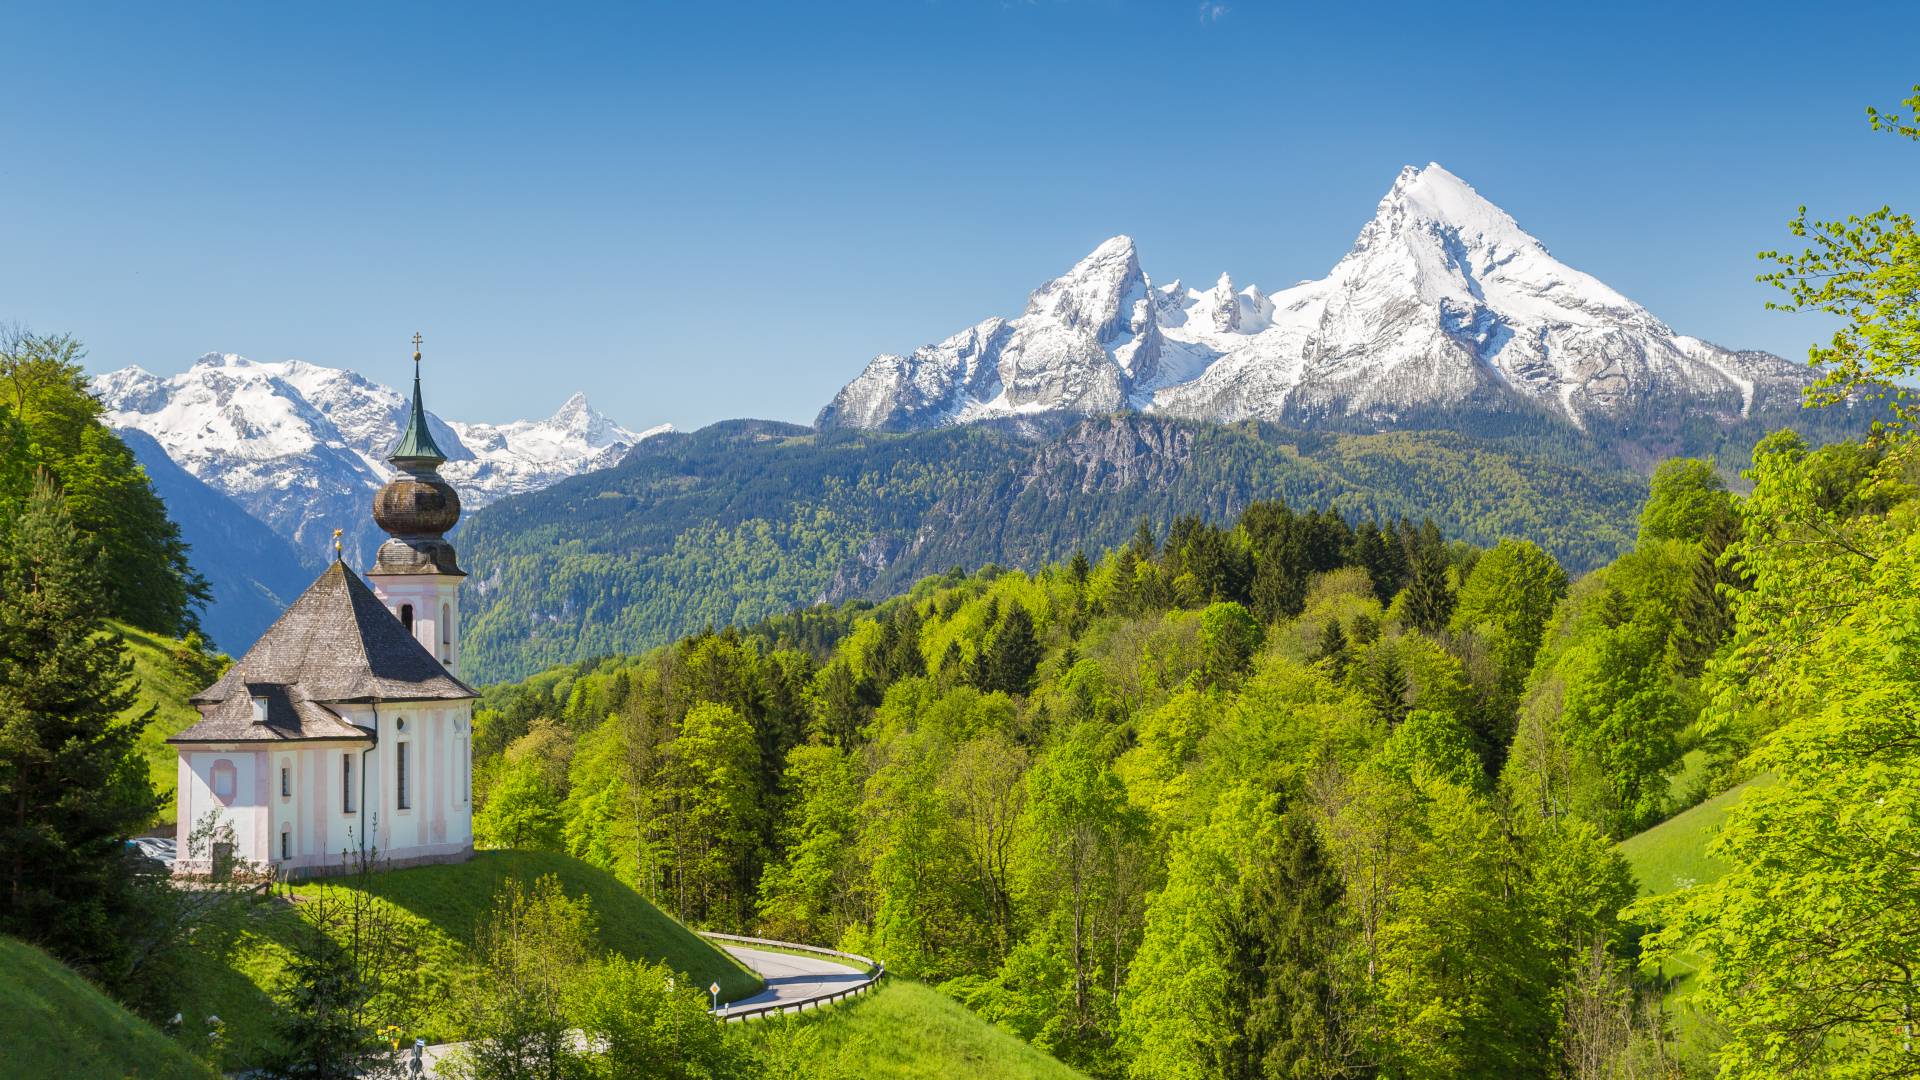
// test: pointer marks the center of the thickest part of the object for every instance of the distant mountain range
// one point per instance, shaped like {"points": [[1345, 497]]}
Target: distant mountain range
{"points": [[1444, 305], [299, 449], [1447, 367]]}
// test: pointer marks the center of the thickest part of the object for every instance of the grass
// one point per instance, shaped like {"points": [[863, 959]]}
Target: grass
{"points": [[54, 1023], [1670, 856], [442, 905], [1673, 854], [166, 674], [908, 1031]]}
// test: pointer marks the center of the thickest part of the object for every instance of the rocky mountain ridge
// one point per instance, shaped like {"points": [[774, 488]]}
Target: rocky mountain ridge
{"points": [[1443, 305]]}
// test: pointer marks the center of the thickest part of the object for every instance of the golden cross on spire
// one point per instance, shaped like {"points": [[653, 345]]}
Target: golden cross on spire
{"points": [[416, 346]]}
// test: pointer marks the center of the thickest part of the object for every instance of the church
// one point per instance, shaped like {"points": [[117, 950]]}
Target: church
{"points": [[346, 728]]}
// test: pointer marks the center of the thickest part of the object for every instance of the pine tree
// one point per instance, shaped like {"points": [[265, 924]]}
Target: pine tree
{"points": [[348, 971], [1706, 611], [1012, 656], [1333, 648], [1429, 601], [1284, 1000], [1143, 547], [1388, 686], [1280, 579], [1079, 569], [72, 784]]}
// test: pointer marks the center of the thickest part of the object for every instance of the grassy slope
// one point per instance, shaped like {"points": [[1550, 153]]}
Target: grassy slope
{"points": [[166, 674], [907, 1031], [1673, 854], [53, 1023], [443, 904]]}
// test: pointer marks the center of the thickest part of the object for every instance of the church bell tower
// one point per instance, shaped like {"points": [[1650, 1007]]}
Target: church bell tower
{"points": [[414, 572]]}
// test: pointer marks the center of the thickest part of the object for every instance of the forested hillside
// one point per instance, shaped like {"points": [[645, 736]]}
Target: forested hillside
{"points": [[743, 520], [1302, 789]]}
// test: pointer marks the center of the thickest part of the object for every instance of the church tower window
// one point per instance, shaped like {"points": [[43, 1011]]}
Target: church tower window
{"points": [[406, 617]]}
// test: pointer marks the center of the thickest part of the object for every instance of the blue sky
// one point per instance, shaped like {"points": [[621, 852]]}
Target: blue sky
{"points": [[701, 211]]}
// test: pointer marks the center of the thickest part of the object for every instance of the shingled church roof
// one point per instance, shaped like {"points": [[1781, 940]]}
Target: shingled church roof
{"points": [[337, 643], [288, 718]]}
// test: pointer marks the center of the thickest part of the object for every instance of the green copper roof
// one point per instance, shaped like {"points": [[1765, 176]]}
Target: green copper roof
{"points": [[417, 444]]}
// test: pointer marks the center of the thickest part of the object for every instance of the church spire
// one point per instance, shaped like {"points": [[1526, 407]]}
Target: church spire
{"points": [[416, 508], [416, 445]]}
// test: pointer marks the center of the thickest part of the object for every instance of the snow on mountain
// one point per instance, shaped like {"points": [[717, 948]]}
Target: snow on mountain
{"points": [[302, 447], [1444, 303]]}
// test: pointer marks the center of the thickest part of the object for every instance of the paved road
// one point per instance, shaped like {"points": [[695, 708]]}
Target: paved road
{"points": [[791, 979]]}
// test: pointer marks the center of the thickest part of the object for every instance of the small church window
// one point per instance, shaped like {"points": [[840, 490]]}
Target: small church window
{"points": [[346, 783], [406, 617], [446, 632], [286, 782], [400, 800], [286, 841]]}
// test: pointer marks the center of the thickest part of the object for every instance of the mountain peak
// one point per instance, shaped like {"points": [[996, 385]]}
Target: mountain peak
{"points": [[575, 404], [1432, 196], [1098, 293]]}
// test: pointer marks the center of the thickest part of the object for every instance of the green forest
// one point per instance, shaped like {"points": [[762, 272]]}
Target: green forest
{"points": [[1305, 796], [744, 520]]}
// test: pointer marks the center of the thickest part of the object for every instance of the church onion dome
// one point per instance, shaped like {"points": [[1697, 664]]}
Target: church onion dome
{"points": [[416, 508]]}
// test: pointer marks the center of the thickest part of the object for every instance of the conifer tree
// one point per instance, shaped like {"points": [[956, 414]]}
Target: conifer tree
{"points": [[1333, 648], [72, 785], [1079, 568], [1706, 611], [1429, 602], [1012, 656], [1280, 579], [1388, 685], [1284, 999]]}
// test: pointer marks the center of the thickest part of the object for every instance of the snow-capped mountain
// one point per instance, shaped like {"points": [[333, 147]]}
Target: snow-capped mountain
{"points": [[1444, 304], [302, 447]]}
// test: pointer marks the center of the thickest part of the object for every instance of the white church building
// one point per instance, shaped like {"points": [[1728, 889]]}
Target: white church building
{"points": [[346, 727]]}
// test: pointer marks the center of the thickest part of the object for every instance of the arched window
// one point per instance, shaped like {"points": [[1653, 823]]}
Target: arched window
{"points": [[406, 617], [224, 779], [286, 841], [446, 627]]}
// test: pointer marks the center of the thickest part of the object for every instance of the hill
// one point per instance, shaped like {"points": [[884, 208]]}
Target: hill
{"points": [[167, 672], [443, 905], [53, 1023], [747, 519], [908, 1031]]}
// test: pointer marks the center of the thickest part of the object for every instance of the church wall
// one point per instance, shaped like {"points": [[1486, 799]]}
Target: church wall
{"points": [[231, 783]]}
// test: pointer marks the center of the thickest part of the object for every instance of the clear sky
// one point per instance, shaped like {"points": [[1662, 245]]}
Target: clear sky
{"points": [[701, 211]]}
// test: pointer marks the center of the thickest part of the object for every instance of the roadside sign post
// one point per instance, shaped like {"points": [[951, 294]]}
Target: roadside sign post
{"points": [[715, 991]]}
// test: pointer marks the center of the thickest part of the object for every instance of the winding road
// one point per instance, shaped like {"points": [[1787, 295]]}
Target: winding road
{"points": [[791, 979]]}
